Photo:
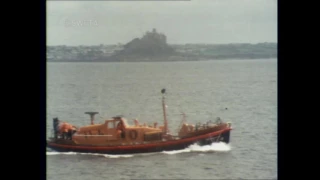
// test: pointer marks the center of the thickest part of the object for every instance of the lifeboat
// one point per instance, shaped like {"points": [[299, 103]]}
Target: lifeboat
{"points": [[117, 136]]}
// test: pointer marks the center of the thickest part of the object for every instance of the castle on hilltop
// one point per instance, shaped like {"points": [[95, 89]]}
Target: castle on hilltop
{"points": [[150, 45], [154, 35]]}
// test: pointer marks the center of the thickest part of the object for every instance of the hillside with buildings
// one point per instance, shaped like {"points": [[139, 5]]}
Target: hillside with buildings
{"points": [[152, 46]]}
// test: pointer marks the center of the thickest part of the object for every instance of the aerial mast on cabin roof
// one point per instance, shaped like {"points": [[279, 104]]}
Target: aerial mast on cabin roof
{"points": [[91, 116]]}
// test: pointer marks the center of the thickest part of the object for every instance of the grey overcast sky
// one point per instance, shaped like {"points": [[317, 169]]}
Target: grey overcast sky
{"points": [[195, 21]]}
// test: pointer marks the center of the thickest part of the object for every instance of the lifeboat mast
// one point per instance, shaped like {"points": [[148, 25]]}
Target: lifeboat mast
{"points": [[163, 91]]}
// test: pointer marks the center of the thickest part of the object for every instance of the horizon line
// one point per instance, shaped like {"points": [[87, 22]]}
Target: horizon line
{"points": [[168, 44]]}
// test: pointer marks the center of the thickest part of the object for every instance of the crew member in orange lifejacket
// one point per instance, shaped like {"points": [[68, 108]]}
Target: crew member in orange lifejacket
{"points": [[120, 129], [65, 129]]}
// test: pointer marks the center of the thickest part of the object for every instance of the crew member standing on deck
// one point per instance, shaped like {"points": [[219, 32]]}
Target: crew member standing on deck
{"points": [[120, 129]]}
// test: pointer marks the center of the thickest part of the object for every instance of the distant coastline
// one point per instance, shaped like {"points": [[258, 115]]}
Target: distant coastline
{"points": [[187, 52], [152, 47]]}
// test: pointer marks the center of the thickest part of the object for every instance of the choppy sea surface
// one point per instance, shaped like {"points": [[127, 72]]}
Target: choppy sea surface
{"points": [[243, 92]]}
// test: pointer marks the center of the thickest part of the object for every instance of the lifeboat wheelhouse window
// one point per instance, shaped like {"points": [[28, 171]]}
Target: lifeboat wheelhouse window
{"points": [[111, 125]]}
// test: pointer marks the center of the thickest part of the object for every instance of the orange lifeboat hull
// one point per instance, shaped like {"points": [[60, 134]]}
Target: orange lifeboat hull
{"points": [[168, 145]]}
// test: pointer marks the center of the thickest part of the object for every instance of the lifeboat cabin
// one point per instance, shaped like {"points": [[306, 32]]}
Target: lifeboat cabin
{"points": [[115, 131]]}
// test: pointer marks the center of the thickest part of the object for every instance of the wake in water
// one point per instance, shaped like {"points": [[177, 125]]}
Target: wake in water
{"points": [[214, 147]]}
